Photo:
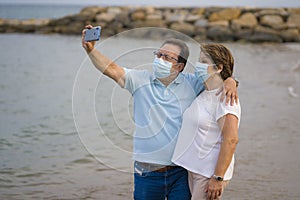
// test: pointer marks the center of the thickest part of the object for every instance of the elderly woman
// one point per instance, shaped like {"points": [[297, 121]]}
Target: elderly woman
{"points": [[209, 132]]}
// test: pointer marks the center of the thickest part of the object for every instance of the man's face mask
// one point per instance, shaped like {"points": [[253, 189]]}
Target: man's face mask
{"points": [[161, 68]]}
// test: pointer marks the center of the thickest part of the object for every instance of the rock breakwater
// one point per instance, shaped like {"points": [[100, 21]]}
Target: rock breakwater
{"points": [[212, 23]]}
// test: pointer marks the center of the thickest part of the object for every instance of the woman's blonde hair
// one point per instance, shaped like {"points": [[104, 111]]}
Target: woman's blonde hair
{"points": [[220, 55]]}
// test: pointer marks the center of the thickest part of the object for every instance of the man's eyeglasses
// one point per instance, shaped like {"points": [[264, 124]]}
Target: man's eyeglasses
{"points": [[166, 56]]}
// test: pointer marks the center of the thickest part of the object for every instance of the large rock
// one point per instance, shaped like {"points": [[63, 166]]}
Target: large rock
{"points": [[200, 34], [170, 17], [147, 23], [185, 28], [273, 21], [243, 34], [201, 23], [138, 15], [198, 11], [220, 33], [192, 18], [263, 34], [92, 10], [294, 10], [290, 35], [247, 20], [279, 11], [223, 23], [225, 14], [154, 17], [294, 20], [105, 17], [123, 18], [115, 10]]}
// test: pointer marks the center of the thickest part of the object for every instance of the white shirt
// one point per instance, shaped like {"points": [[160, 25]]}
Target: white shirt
{"points": [[200, 137]]}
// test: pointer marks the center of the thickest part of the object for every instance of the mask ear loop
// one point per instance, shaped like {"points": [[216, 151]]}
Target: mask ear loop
{"points": [[219, 69]]}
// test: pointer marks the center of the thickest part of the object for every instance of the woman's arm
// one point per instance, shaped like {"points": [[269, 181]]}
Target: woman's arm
{"points": [[229, 126]]}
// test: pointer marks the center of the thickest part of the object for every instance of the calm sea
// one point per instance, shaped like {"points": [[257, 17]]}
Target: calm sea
{"points": [[30, 11]]}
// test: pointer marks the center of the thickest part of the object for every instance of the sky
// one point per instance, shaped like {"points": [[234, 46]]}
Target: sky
{"points": [[256, 3]]}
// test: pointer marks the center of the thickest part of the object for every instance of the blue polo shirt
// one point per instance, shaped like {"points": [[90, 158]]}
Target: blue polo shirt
{"points": [[158, 113]]}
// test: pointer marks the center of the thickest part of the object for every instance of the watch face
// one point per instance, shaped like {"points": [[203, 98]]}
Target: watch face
{"points": [[218, 178]]}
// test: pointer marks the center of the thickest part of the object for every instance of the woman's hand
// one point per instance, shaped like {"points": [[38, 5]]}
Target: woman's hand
{"points": [[88, 46], [214, 189]]}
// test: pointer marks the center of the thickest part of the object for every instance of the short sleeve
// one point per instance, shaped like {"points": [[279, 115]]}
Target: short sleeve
{"points": [[135, 79], [223, 109]]}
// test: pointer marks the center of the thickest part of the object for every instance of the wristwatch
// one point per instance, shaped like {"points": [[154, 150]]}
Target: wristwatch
{"points": [[218, 178]]}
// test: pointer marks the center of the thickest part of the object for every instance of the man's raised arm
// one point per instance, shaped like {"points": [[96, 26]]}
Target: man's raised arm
{"points": [[102, 63]]}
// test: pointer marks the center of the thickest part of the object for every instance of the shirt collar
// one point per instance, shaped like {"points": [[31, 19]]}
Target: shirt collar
{"points": [[178, 79]]}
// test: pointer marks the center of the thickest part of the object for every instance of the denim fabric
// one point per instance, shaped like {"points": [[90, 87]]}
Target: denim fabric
{"points": [[151, 185]]}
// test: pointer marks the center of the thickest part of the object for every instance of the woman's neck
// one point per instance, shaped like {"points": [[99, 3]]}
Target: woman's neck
{"points": [[214, 82]]}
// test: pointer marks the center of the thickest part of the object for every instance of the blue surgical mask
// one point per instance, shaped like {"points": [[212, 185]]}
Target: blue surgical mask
{"points": [[201, 71], [161, 68]]}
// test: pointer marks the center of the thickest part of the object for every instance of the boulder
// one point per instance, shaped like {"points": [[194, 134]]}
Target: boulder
{"points": [[154, 17], [200, 34], [201, 23], [123, 18], [273, 21], [243, 34], [138, 15], [220, 33], [247, 20], [198, 11], [183, 27], [114, 10], [105, 17], [290, 35], [147, 23], [294, 10], [92, 10], [192, 18], [223, 23], [279, 11], [264, 34], [150, 10], [294, 20], [170, 17], [225, 14]]}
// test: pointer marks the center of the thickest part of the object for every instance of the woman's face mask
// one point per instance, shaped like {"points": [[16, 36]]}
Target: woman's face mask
{"points": [[161, 68], [201, 71]]}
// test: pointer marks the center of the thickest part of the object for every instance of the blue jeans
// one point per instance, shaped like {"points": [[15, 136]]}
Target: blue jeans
{"points": [[172, 184]]}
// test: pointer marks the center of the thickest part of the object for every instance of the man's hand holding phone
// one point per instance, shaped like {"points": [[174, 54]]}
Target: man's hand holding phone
{"points": [[89, 37]]}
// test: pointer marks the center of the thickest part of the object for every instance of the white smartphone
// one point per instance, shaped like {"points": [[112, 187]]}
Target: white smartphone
{"points": [[92, 34]]}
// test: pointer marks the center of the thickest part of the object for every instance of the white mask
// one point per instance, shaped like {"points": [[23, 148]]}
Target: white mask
{"points": [[161, 68], [201, 71]]}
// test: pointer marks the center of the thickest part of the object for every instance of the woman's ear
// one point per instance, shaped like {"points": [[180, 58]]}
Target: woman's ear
{"points": [[220, 68]]}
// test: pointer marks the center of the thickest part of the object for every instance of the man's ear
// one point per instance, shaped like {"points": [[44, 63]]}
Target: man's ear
{"points": [[180, 67]]}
